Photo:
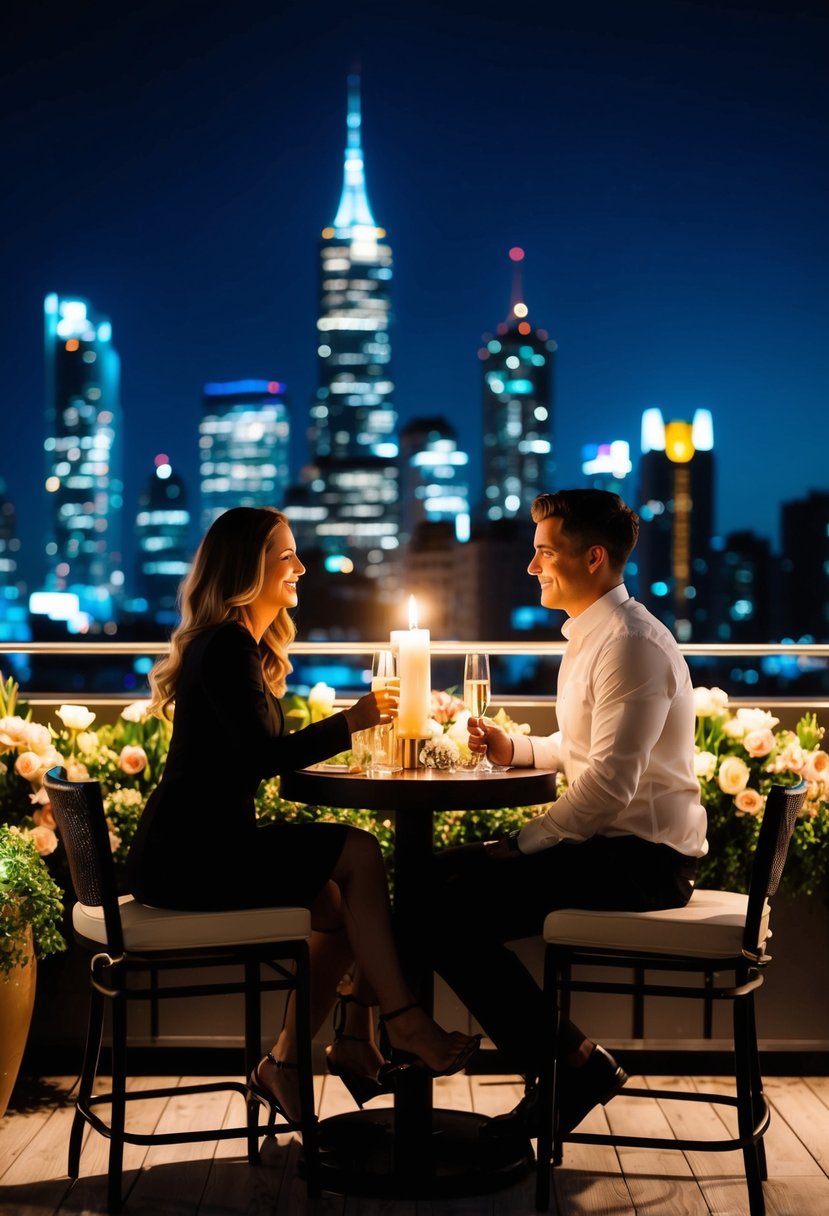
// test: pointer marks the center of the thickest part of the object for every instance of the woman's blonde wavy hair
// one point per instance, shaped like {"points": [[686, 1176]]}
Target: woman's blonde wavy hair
{"points": [[228, 573]]}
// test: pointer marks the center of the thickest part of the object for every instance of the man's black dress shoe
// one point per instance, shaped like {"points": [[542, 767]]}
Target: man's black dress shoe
{"points": [[597, 1081]]}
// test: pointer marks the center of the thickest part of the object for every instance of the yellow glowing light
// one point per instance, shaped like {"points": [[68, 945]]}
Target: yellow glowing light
{"points": [[52, 484], [679, 446], [381, 232], [72, 344], [520, 310], [327, 233]]}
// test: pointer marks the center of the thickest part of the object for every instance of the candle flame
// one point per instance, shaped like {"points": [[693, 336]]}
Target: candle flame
{"points": [[412, 612]]}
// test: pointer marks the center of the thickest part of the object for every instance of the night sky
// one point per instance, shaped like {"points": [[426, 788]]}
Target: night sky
{"points": [[663, 164]]}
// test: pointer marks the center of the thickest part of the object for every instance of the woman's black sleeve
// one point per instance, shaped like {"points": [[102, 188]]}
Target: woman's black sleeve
{"points": [[231, 679]]}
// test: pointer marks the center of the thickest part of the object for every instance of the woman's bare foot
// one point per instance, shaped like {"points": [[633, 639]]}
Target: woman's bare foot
{"points": [[280, 1080], [440, 1050]]}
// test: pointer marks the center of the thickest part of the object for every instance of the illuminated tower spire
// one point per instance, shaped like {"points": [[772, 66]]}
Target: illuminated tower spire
{"points": [[354, 209]]}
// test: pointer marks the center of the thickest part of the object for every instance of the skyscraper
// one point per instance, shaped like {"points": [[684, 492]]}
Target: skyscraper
{"points": [[517, 371], [676, 512], [353, 420], [14, 616], [805, 567], [161, 529], [243, 446], [83, 457], [434, 478]]}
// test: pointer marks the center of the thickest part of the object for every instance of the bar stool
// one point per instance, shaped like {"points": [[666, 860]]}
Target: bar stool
{"points": [[718, 931], [124, 937]]}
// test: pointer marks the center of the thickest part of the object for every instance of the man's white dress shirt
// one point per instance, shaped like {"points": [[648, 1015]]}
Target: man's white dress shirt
{"points": [[625, 741]]}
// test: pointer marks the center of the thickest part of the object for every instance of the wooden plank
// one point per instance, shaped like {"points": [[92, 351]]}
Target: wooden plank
{"points": [[803, 1104], [589, 1182], [180, 1170], [36, 1182], [659, 1180], [89, 1193], [720, 1175], [785, 1153], [19, 1127]]}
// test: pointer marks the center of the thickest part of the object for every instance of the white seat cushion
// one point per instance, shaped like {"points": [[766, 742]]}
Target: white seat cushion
{"points": [[147, 928], [710, 926]]}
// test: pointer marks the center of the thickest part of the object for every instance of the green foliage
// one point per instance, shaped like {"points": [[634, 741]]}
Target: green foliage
{"points": [[29, 896]]}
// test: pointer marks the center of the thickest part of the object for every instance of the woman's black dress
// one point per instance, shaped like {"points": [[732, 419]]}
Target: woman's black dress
{"points": [[198, 845]]}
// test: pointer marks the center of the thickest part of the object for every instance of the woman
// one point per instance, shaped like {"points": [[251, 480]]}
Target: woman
{"points": [[198, 845]]}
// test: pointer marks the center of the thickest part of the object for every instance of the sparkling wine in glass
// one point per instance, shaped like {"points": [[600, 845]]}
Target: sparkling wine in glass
{"points": [[384, 741], [476, 693]]}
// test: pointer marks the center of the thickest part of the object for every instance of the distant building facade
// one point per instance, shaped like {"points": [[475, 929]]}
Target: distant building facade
{"points": [[244, 438], [84, 435], [162, 528], [517, 370], [349, 503], [14, 613], [745, 601], [805, 567], [434, 478], [675, 503]]}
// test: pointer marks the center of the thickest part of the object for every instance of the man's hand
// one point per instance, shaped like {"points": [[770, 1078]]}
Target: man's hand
{"points": [[485, 737], [499, 850]]}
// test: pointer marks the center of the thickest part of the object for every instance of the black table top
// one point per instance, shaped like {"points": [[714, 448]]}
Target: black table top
{"points": [[421, 788]]}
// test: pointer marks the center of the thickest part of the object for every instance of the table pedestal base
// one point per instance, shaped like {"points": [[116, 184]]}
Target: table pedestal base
{"points": [[358, 1157]]}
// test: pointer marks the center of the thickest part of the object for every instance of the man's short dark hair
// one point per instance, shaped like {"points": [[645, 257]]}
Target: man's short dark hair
{"points": [[592, 517]]}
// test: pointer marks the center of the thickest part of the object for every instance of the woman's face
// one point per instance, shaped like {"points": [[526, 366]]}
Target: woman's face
{"points": [[282, 569]]}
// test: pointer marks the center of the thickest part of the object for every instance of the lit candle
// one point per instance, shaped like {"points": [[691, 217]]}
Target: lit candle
{"points": [[414, 670]]}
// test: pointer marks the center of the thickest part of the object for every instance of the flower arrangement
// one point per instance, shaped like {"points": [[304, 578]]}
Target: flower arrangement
{"points": [[448, 746], [739, 755]]}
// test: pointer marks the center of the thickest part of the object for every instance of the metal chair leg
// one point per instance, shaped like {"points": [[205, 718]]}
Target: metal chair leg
{"points": [[118, 1118], [746, 1118], [91, 1055]]}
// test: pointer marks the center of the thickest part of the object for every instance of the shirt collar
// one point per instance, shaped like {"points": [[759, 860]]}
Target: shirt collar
{"points": [[579, 626]]}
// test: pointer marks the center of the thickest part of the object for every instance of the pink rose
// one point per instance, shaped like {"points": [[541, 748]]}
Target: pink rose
{"points": [[759, 742], [816, 766], [28, 765], [749, 802], [45, 817], [44, 839], [133, 760]]}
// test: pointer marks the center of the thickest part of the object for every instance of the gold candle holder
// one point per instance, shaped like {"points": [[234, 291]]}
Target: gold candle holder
{"points": [[408, 752]]}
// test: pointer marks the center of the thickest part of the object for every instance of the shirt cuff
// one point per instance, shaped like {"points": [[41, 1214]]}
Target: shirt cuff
{"points": [[534, 837], [522, 752]]}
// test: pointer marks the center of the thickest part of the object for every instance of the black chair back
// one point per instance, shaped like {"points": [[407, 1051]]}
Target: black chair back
{"points": [[78, 808], [779, 818]]}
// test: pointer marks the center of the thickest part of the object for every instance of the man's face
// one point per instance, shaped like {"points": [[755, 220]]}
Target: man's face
{"points": [[562, 572]]}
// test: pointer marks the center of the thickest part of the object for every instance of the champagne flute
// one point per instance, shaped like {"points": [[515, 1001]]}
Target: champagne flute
{"points": [[384, 675], [476, 694]]}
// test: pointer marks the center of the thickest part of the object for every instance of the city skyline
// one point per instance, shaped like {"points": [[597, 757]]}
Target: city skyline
{"points": [[693, 280]]}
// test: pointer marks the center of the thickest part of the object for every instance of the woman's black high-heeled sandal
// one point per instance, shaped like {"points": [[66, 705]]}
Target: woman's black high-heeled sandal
{"points": [[460, 1061], [361, 1086], [262, 1094]]}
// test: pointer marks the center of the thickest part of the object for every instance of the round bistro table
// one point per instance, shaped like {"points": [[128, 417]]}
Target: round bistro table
{"points": [[416, 1151]]}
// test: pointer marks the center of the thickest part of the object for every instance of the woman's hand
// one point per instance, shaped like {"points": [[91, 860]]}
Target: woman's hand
{"points": [[377, 708], [485, 737]]}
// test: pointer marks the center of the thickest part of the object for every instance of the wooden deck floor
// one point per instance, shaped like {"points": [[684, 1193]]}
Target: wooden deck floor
{"points": [[213, 1179]]}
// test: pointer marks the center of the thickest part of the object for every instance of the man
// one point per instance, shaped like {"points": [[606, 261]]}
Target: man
{"points": [[625, 834]]}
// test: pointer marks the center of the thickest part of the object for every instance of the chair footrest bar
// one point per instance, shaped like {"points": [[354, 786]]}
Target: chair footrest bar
{"points": [[169, 1091], [699, 1146]]}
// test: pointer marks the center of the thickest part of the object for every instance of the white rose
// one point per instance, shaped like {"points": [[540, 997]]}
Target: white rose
{"points": [[37, 737], [816, 766], [12, 732], [733, 775], [87, 742], [791, 759], [749, 802], [710, 702], [135, 712], [705, 765], [75, 771], [733, 728], [756, 719], [459, 730], [433, 728], [321, 697], [75, 717], [133, 760], [759, 742]]}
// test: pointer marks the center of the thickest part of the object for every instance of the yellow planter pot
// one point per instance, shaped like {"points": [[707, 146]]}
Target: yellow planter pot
{"points": [[17, 998]]}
